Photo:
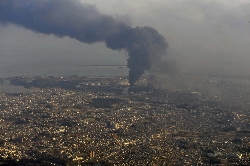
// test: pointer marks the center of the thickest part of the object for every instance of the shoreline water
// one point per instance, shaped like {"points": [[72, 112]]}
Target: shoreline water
{"points": [[81, 71], [86, 71], [5, 87]]}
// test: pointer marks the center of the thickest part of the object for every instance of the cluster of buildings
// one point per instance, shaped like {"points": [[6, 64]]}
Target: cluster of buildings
{"points": [[98, 122]]}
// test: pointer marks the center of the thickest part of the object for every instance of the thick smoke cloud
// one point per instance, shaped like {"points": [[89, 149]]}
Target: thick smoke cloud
{"points": [[86, 24]]}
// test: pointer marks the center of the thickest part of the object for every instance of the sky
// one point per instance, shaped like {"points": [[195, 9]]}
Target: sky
{"points": [[208, 36]]}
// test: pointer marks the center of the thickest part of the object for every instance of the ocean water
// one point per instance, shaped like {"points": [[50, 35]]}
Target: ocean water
{"points": [[88, 71], [5, 87]]}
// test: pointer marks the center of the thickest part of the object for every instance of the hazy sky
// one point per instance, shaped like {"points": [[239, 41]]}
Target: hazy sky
{"points": [[210, 36]]}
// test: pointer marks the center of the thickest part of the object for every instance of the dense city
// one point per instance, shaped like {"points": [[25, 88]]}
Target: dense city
{"points": [[102, 121]]}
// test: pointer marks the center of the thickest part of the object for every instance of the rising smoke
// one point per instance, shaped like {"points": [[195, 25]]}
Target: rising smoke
{"points": [[85, 23]]}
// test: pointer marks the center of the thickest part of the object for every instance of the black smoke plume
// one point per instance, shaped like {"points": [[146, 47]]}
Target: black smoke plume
{"points": [[86, 24]]}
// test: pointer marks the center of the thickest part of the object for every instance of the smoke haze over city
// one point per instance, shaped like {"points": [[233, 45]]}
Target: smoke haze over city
{"points": [[84, 23], [204, 37]]}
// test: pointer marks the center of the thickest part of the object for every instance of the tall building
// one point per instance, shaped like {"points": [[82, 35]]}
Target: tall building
{"points": [[92, 154]]}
